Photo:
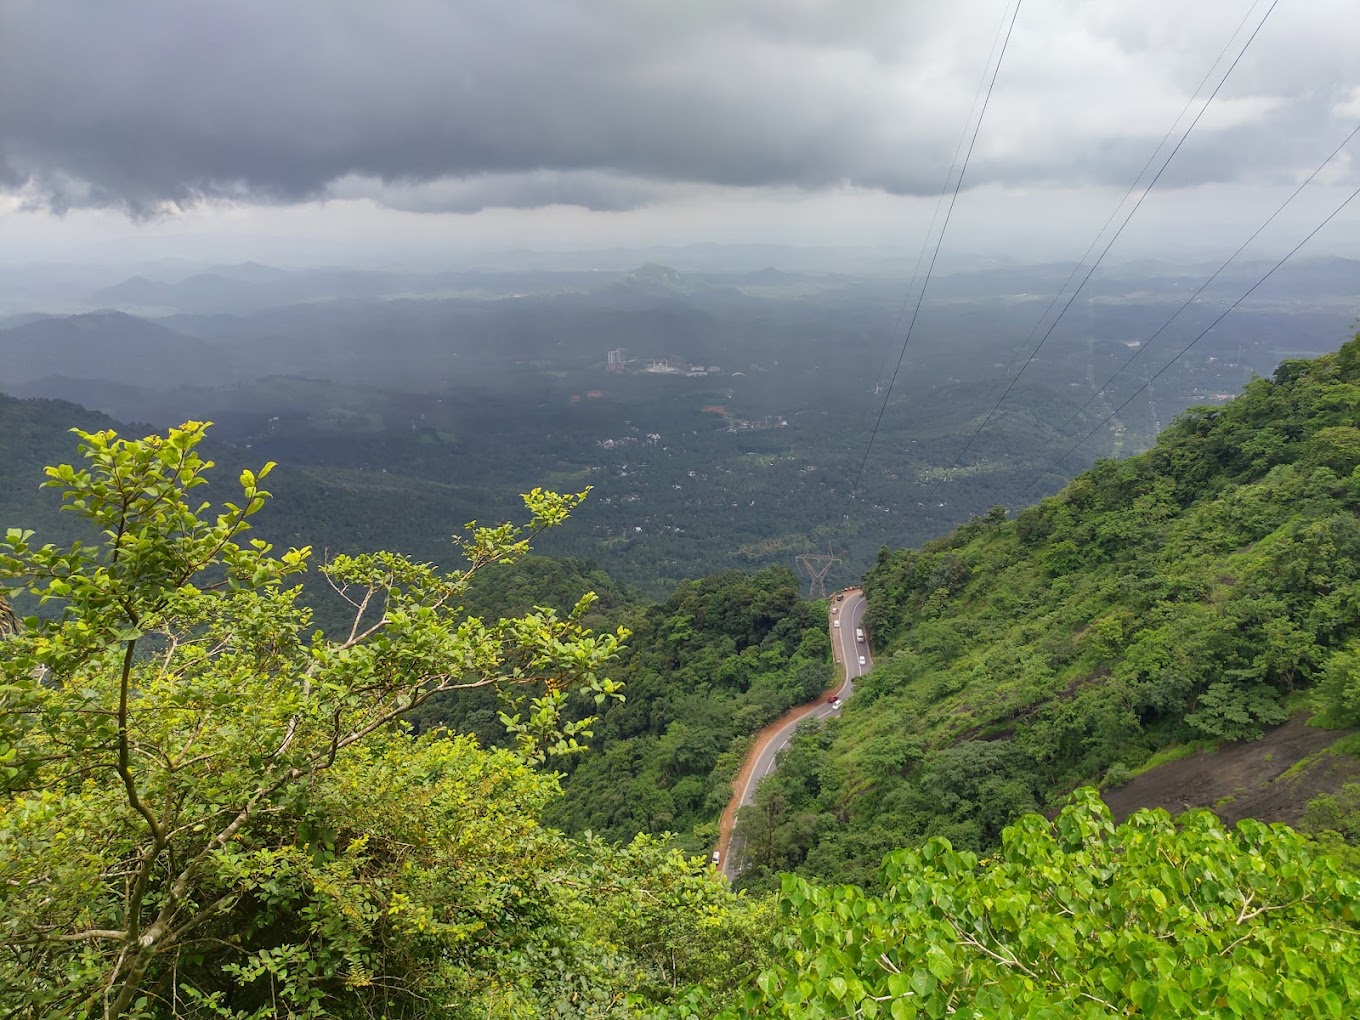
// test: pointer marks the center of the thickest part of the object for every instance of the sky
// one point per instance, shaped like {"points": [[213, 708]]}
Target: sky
{"points": [[354, 131]]}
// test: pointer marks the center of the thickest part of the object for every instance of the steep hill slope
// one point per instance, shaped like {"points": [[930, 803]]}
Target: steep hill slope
{"points": [[1185, 594], [703, 672]]}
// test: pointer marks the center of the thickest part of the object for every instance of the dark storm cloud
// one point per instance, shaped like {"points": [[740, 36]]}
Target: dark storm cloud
{"points": [[607, 104]]}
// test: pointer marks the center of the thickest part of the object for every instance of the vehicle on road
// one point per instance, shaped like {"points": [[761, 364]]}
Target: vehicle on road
{"points": [[859, 634], [835, 701], [861, 660]]}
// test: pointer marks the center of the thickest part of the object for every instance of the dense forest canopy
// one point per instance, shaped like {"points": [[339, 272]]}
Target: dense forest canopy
{"points": [[705, 670]]}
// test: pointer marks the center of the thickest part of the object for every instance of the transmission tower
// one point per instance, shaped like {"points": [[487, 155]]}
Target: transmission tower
{"points": [[817, 566]]}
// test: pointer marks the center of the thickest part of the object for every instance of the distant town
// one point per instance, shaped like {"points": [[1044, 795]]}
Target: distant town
{"points": [[619, 362]]}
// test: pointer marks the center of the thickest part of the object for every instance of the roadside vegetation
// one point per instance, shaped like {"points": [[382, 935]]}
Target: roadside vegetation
{"points": [[705, 671]]}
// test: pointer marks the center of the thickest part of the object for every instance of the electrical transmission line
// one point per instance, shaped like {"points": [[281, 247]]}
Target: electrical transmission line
{"points": [[1217, 272], [930, 268], [1269, 273], [1133, 185], [1146, 191], [939, 204]]}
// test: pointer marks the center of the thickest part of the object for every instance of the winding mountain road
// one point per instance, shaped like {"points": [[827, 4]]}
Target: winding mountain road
{"points": [[845, 619]]}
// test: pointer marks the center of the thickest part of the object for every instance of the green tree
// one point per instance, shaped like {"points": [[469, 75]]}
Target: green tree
{"points": [[1236, 710], [208, 809], [1339, 688], [1079, 918], [684, 929]]}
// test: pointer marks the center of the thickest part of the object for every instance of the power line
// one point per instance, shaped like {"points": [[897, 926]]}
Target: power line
{"points": [[1076, 268], [1217, 272], [935, 254], [930, 232], [1332, 215], [1147, 191], [939, 202], [1005, 374]]}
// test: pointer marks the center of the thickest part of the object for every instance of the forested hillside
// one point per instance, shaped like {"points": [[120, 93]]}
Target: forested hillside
{"points": [[703, 672], [1189, 594], [34, 434]]}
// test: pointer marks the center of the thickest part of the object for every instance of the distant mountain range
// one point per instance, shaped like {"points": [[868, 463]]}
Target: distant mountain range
{"points": [[250, 287]]}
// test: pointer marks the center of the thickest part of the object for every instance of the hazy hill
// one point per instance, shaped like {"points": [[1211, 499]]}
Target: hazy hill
{"points": [[495, 388], [333, 508], [10, 321], [251, 287], [109, 346], [33, 435]]}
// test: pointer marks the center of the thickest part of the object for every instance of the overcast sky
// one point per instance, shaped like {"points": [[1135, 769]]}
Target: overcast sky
{"points": [[338, 130]]}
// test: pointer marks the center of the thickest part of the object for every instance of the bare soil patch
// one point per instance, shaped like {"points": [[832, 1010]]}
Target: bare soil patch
{"points": [[1244, 780]]}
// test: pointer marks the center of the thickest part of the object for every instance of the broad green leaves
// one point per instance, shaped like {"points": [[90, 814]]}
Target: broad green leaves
{"points": [[1080, 918]]}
